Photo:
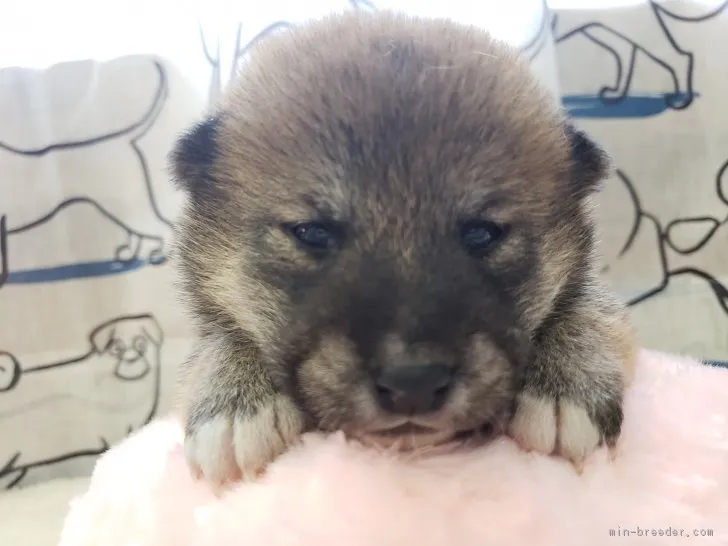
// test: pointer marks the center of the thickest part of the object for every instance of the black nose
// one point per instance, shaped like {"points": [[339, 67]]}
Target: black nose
{"points": [[414, 389]]}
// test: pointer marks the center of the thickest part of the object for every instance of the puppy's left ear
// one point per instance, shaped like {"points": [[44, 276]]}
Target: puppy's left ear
{"points": [[590, 163], [193, 157]]}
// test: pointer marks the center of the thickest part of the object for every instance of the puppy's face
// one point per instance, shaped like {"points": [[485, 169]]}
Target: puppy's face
{"points": [[386, 208]]}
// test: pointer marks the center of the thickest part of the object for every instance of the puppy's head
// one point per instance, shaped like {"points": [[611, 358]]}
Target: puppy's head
{"points": [[388, 209]]}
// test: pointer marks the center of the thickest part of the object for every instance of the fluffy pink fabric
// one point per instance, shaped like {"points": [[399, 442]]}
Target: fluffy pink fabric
{"points": [[670, 475]]}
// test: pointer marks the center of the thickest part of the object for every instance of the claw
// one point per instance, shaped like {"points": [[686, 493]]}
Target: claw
{"points": [[578, 465], [612, 452], [195, 471]]}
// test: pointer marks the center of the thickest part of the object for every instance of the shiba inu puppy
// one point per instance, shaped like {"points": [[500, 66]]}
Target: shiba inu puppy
{"points": [[388, 232]]}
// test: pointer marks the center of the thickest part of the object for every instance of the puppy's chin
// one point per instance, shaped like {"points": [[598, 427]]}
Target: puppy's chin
{"points": [[408, 438]]}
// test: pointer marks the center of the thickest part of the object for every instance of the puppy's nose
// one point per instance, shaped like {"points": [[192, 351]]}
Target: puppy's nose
{"points": [[411, 390]]}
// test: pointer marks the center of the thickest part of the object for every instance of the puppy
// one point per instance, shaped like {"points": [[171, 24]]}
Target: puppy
{"points": [[388, 232]]}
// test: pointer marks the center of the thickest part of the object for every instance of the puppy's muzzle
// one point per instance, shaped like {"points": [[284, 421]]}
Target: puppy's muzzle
{"points": [[414, 390]]}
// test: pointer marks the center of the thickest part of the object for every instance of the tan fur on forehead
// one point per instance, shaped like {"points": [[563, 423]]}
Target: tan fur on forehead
{"points": [[463, 110]]}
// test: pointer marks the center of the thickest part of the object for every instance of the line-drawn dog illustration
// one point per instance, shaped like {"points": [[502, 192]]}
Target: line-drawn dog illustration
{"points": [[657, 25], [79, 229], [84, 152], [645, 257], [698, 245], [638, 233], [81, 405]]}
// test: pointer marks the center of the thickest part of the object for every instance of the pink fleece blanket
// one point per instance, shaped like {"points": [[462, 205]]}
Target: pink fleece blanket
{"points": [[667, 485]]}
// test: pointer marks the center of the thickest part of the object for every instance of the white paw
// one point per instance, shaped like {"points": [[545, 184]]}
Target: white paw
{"points": [[554, 427], [227, 448]]}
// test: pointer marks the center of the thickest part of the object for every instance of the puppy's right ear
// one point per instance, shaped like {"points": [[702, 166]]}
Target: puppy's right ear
{"points": [[193, 157]]}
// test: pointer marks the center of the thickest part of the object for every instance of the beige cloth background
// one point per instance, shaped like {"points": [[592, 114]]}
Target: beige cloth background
{"points": [[90, 331], [660, 70]]}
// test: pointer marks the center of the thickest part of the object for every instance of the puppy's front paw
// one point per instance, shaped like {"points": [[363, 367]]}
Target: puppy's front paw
{"points": [[564, 426], [229, 446], [571, 399]]}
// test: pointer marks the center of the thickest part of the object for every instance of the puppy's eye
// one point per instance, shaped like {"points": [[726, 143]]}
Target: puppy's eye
{"points": [[478, 237], [314, 235]]}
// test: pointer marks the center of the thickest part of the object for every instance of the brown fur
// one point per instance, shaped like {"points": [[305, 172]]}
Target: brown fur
{"points": [[395, 130]]}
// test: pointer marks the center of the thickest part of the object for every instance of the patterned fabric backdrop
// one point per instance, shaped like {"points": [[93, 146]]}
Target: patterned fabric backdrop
{"points": [[90, 331]]}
